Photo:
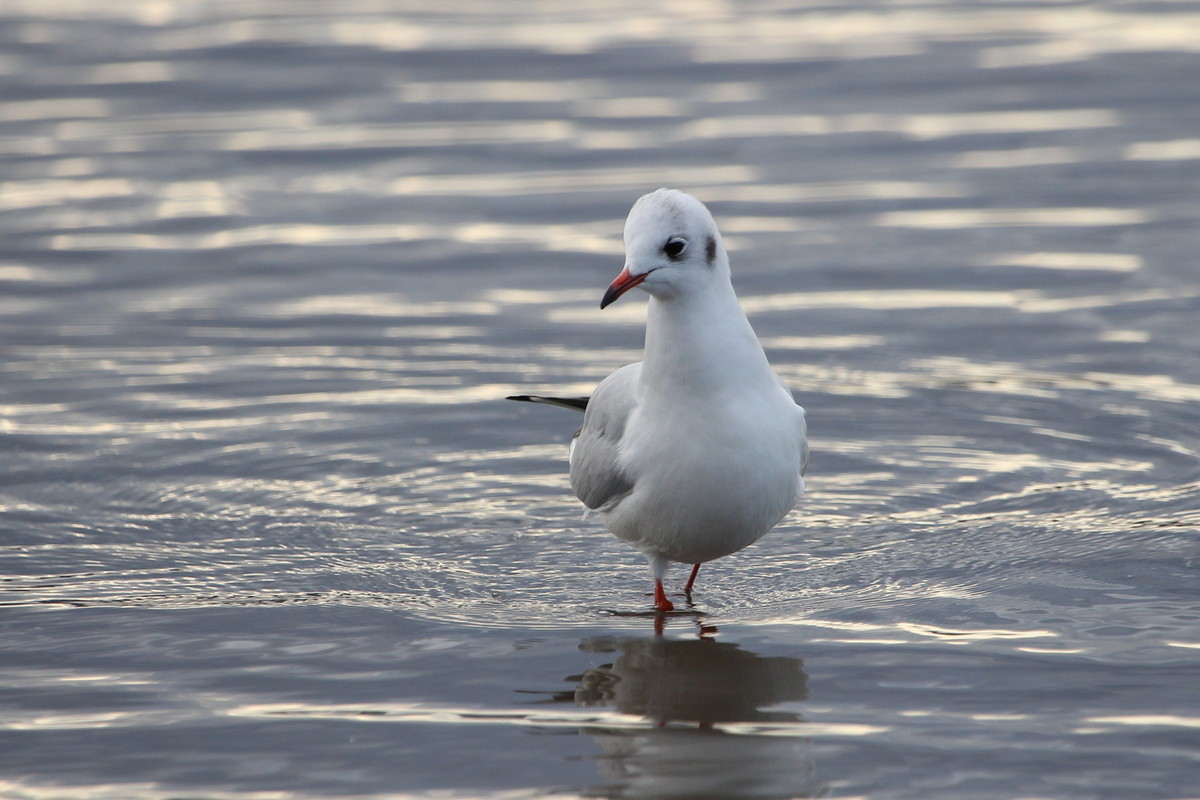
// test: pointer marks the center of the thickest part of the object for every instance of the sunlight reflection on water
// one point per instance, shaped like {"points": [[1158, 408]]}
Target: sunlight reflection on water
{"points": [[269, 270]]}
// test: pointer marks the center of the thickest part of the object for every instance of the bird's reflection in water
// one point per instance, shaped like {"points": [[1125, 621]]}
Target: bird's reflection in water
{"points": [[691, 680], [691, 689]]}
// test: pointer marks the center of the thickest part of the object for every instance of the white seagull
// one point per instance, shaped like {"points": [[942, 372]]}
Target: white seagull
{"points": [[699, 449]]}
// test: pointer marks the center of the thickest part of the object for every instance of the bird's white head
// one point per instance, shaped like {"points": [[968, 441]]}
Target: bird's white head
{"points": [[671, 246]]}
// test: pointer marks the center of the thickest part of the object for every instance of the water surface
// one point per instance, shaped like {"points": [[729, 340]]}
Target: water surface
{"points": [[268, 529]]}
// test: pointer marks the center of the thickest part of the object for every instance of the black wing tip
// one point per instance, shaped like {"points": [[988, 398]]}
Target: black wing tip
{"points": [[577, 403]]}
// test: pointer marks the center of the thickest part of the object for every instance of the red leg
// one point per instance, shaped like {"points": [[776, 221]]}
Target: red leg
{"points": [[687, 589], [660, 597]]}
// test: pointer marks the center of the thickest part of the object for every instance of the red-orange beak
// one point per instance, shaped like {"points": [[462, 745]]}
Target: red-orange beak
{"points": [[621, 285]]}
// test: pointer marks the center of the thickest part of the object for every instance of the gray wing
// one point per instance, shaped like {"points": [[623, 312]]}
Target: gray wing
{"points": [[803, 442], [595, 475], [803, 427]]}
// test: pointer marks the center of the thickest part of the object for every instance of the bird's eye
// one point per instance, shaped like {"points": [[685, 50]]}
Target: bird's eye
{"points": [[674, 247]]}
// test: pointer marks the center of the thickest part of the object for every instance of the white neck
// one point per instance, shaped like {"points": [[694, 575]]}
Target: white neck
{"points": [[700, 343]]}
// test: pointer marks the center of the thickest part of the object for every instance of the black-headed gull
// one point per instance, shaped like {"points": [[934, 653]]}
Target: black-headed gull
{"points": [[698, 450]]}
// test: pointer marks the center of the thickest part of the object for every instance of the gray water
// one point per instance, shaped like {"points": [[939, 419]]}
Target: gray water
{"points": [[270, 531]]}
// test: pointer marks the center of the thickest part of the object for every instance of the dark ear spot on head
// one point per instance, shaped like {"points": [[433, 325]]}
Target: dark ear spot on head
{"points": [[710, 249]]}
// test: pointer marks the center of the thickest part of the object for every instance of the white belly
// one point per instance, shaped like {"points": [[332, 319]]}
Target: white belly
{"points": [[703, 494]]}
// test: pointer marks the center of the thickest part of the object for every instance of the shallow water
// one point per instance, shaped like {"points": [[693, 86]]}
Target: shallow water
{"points": [[269, 530]]}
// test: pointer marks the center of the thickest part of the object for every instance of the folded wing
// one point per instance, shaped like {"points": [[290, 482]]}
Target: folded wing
{"points": [[596, 475]]}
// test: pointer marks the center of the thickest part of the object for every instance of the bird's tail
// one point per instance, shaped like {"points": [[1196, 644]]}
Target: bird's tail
{"points": [[576, 403]]}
